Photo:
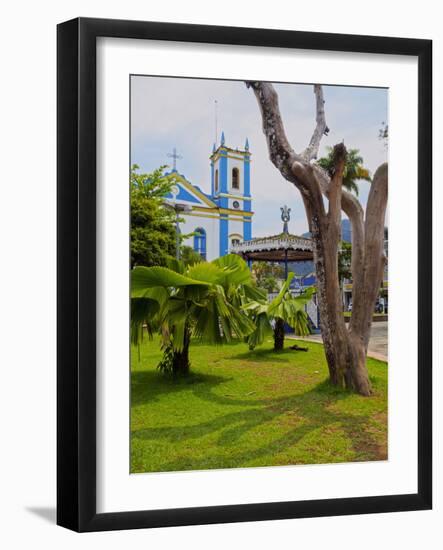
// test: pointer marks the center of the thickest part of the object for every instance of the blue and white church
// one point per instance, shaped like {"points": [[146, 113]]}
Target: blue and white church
{"points": [[222, 218]]}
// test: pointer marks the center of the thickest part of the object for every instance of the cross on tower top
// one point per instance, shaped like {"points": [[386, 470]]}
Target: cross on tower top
{"points": [[174, 155]]}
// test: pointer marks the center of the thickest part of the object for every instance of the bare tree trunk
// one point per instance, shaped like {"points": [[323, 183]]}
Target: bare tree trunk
{"points": [[345, 349]]}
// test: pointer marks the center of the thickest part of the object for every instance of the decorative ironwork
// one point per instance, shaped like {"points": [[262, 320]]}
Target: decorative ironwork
{"points": [[285, 217], [277, 242]]}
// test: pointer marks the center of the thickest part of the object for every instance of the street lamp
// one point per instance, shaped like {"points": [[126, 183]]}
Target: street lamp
{"points": [[178, 209]]}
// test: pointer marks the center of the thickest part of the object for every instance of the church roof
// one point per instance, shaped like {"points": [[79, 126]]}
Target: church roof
{"points": [[188, 192], [222, 149]]}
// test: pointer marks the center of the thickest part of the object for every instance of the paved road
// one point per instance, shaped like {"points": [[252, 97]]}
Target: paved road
{"points": [[378, 343]]}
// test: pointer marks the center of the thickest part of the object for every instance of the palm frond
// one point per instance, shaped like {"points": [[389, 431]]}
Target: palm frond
{"points": [[143, 314], [207, 272], [175, 265], [262, 329], [143, 278], [234, 270]]}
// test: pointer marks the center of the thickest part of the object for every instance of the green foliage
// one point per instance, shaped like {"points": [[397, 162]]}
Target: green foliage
{"points": [[264, 272], [166, 364], [270, 284], [153, 186], [290, 309], [144, 279], [153, 237], [189, 256], [354, 169]]}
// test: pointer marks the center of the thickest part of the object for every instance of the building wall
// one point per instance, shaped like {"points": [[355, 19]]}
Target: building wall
{"points": [[219, 232], [241, 195], [235, 230], [235, 163], [210, 225]]}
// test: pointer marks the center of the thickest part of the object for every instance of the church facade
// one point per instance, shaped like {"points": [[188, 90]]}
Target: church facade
{"points": [[221, 218]]}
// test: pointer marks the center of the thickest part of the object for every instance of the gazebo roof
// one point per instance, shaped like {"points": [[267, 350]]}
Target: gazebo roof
{"points": [[276, 248]]}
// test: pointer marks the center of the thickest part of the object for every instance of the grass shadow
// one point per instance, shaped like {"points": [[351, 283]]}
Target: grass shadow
{"points": [[315, 407], [147, 386]]}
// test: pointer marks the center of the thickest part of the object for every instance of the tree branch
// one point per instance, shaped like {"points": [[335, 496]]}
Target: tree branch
{"points": [[335, 185], [376, 206], [370, 272], [321, 128], [354, 210], [280, 151], [290, 164], [307, 183]]}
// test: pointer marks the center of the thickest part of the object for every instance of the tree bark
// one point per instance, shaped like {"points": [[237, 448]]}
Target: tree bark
{"points": [[279, 334], [180, 359], [345, 349]]}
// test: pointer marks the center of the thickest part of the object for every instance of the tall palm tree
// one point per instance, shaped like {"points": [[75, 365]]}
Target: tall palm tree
{"points": [[354, 169], [272, 316], [202, 301]]}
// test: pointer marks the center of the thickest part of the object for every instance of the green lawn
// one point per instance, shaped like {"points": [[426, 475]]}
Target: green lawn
{"points": [[259, 408]]}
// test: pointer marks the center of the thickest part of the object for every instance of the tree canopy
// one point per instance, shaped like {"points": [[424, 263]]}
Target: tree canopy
{"points": [[153, 237], [354, 169], [266, 275], [189, 256]]}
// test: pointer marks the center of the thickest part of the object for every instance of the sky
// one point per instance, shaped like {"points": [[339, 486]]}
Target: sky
{"points": [[169, 112]]}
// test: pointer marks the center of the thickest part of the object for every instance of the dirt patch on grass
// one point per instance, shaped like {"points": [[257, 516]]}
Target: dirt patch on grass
{"points": [[371, 443], [369, 450], [381, 418]]}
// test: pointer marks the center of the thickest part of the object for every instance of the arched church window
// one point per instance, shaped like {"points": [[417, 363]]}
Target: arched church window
{"points": [[200, 242], [235, 179], [216, 181]]}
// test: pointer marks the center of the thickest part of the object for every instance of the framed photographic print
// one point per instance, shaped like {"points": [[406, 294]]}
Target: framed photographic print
{"points": [[244, 274]]}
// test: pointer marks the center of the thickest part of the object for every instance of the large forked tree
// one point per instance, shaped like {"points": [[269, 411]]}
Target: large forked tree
{"points": [[345, 349]]}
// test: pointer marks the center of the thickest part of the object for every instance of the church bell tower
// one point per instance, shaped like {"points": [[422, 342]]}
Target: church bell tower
{"points": [[231, 191]]}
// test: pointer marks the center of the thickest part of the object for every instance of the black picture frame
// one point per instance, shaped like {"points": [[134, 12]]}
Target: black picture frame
{"points": [[76, 264]]}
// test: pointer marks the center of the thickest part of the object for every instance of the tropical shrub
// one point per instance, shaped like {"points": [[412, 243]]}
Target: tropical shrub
{"points": [[272, 316], [202, 301]]}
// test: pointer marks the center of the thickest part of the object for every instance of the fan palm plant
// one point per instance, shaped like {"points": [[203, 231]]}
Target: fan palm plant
{"points": [[272, 316], [202, 301], [354, 169]]}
